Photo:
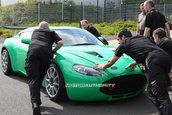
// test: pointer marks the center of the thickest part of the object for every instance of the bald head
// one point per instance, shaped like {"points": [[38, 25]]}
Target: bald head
{"points": [[149, 5], [43, 25]]}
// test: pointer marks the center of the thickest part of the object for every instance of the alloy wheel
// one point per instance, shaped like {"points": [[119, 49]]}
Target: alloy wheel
{"points": [[4, 60], [52, 82]]}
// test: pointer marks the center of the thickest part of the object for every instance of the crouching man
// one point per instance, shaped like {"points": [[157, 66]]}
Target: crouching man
{"points": [[163, 42], [156, 60]]}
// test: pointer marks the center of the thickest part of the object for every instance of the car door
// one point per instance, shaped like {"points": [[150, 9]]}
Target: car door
{"points": [[22, 51]]}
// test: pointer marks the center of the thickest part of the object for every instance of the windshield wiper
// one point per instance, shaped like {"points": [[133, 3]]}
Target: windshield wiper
{"points": [[83, 44]]}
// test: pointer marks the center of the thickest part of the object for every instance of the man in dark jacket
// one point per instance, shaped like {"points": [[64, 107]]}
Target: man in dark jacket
{"points": [[154, 20], [38, 60], [92, 30], [156, 60], [163, 42]]}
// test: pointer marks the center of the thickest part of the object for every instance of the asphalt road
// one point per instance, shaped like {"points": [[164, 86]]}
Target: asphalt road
{"points": [[15, 100]]}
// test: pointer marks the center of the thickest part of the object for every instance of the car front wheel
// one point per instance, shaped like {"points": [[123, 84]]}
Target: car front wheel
{"points": [[6, 62], [54, 84]]}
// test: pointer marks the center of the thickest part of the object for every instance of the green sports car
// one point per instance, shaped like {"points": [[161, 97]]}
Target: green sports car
{"points": [[70, 75]]}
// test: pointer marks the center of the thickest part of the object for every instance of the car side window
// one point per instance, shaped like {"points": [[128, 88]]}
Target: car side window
{"points": [[27, 34]]}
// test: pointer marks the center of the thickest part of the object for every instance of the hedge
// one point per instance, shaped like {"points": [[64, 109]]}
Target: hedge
{"points": [[103, 28]]}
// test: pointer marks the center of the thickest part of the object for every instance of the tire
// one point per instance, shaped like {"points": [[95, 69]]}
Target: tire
{"points": [[55, 84], [6, 62]]}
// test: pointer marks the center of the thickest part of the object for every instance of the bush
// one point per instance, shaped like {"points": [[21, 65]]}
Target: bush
{"points": [[103, 28], [112, 29], [6, 33]]}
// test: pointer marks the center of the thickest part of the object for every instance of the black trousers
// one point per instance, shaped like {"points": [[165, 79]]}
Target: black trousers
{"points": [[158, 66], [37, 63]]}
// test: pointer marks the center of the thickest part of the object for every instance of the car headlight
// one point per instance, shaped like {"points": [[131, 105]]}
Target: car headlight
{"points": [[85, 70]]}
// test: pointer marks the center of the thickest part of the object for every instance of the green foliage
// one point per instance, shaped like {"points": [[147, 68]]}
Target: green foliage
{"points": [[20, 12], [112, 29], [65, 24], [30, 12], [6, 33], [163, 1], [103, 28], [32, 24], [5, 17]]}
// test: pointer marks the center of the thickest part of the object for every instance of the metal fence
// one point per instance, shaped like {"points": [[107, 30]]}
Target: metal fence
{"points": [[22, 13]]}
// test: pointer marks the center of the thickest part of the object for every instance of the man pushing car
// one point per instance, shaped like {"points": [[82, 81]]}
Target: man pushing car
{"points": [[157, 62], [38, 60]]}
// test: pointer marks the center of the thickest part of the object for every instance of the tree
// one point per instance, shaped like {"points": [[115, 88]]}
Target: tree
{"points": [[110, 10], [6, 17]]}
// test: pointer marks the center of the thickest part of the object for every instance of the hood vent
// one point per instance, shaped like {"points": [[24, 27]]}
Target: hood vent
{"points": [[95, 54]]}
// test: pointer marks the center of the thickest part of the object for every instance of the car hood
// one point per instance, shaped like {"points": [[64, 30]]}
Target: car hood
{"points": [[99, 54], [92, 53]]}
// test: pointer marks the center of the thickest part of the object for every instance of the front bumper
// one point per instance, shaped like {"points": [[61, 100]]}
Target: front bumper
{"points": [[116, 88], [123, 84]]}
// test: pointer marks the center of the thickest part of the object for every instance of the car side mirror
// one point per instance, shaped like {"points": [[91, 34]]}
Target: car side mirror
{"points": [[26, 40], [101, 39]]}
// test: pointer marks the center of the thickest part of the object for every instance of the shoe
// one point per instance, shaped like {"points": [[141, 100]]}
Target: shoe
{"points": [[36, 109]]}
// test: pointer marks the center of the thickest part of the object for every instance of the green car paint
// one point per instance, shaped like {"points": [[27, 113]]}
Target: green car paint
{"points": [[79, 86]]}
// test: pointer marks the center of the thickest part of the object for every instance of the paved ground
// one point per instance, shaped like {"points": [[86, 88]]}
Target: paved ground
{"points": [[113, 42], [15, 100]]}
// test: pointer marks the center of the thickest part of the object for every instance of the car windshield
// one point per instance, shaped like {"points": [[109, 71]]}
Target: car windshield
{"points": [[73, 37]]}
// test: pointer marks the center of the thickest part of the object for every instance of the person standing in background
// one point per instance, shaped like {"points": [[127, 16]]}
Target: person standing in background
{"points": [[141, 20], [92, 30], [154, 20]]}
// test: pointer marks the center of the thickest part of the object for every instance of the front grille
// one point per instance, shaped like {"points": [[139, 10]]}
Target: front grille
{"points": [[123, 84]]}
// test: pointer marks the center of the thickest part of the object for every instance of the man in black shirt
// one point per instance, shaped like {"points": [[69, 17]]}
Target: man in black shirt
{"points": [[38, 60], [157, 64], [92, 30], [154, 20], [163, 42]]}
